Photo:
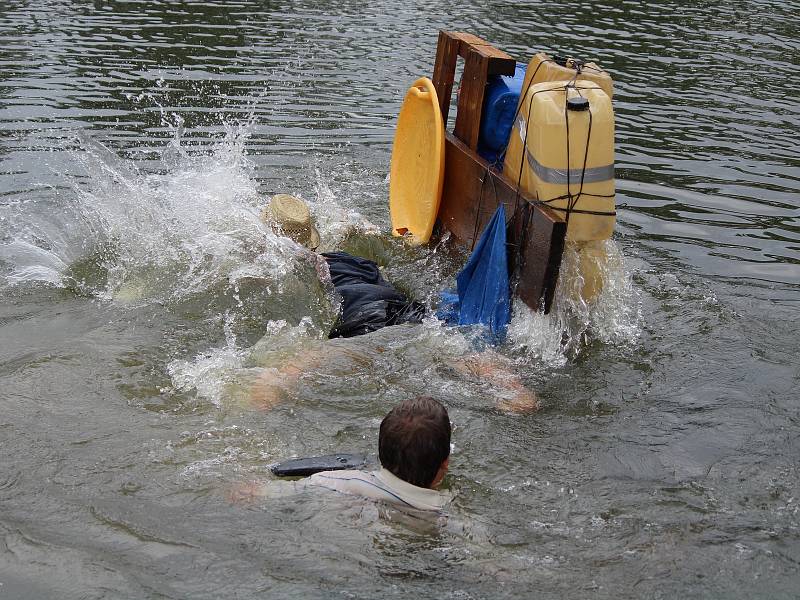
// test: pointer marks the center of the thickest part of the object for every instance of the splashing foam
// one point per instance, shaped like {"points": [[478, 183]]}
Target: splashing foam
{"points": [[32, 263], [612, 317], [333, 220], [156, 237], [183, 231], [210, 373]]}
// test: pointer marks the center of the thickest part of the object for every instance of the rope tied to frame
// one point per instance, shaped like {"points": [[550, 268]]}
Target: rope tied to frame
{"points": [[522, 211]]}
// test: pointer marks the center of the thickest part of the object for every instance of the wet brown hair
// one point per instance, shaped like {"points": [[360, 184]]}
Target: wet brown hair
{"points": [[414, 440]]}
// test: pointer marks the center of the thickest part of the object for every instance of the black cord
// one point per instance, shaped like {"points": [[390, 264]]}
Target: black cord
{"points": [[572, 200], [487, 173], [478, 212], [566, 120]]}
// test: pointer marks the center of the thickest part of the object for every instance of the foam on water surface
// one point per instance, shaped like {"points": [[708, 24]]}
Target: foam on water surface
{"points": [[155, 236], [613, 317]]}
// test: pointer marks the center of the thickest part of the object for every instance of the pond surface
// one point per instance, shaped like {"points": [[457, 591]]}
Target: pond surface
{"points": [[140, 292]]}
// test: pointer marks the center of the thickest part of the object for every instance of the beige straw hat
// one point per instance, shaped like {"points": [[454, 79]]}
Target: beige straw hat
{"points": [[289, 215]]}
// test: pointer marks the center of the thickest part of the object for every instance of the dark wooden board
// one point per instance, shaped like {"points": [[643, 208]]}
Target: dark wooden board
{"points": [[472, 193], [444, 70]]}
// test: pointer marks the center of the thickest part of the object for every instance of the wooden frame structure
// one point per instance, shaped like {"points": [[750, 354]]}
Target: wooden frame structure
{"points": [[472, 191]]}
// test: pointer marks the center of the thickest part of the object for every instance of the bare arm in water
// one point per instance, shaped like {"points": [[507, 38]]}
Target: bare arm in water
{"points": [[274, 382], [488, 367]]}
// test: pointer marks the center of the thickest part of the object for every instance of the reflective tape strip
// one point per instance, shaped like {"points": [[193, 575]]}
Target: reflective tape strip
{"points": [[569, 176], [559, 176]]}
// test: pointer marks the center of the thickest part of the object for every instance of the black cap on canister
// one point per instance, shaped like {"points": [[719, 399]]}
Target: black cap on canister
{"points": [[577, 103]]}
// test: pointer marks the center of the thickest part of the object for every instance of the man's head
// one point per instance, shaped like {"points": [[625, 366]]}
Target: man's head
{"points": [[414, 441]]}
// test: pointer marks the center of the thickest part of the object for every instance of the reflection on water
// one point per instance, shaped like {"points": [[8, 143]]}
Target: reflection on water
{"points": [[141, 294]]}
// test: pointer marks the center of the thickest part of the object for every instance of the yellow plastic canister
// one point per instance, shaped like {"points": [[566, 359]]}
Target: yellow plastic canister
{"points": [[561, 152], [543, 68]]}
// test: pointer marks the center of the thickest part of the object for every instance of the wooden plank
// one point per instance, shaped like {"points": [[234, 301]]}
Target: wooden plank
{"points": [[470, 98], [472, 192], [500, 63], [444, 70], [539, 262]]}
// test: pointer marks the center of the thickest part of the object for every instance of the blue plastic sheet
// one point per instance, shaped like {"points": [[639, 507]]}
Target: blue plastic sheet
{"points": [[483, 286]]}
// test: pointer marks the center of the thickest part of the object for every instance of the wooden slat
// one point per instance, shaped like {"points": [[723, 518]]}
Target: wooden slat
{"points": [[470, 98], [472, 192], [444, 70], [500, 63]]}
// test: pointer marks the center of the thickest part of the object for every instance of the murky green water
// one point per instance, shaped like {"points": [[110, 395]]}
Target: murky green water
{"points": [[139, 140]]}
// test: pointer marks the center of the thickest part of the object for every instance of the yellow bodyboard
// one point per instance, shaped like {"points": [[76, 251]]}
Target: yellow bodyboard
{"points": [[417, 169]]}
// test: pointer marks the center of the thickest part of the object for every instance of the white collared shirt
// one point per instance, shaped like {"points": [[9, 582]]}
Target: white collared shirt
{"points": [[381, 485]]}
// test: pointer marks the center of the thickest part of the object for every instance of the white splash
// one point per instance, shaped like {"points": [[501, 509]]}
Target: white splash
{"points": [[210, 373], [333, 218], [156, 236], [612, 317], [32, 263], [182, 231]]}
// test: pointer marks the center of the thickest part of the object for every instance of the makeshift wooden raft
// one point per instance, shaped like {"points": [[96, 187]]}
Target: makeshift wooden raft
{"points": [[472, 191]]}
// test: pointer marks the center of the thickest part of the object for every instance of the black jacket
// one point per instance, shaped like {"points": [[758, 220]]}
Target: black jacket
{"points": [[369, 302]]}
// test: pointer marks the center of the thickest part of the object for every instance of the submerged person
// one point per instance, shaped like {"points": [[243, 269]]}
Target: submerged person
{"points": [[414, 453], [369, 303]]}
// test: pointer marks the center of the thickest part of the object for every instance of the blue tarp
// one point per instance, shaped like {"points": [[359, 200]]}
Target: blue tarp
{"points": [[483, 286]]}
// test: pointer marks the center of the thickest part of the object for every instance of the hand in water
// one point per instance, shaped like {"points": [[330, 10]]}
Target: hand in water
{"points": [[250, 492], [519, 400], [271, 385], [245, 493], [488, 366]]}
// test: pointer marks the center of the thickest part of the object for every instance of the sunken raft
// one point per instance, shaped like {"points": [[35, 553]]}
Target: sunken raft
{"points": [[472, 190]]}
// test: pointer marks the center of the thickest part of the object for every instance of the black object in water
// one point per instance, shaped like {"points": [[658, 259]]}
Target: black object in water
{"points": [[302, 467]]}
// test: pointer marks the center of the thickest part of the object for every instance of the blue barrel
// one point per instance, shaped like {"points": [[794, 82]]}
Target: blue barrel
{"points": [[499, 108]]}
